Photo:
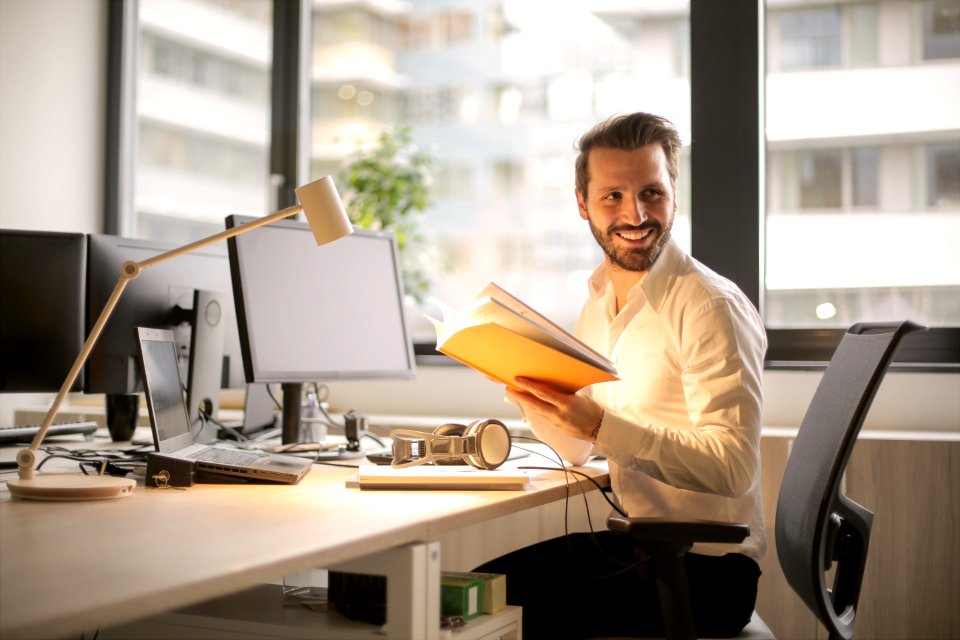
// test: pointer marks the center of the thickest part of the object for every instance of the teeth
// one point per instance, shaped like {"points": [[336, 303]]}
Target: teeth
{"points": [[635, 235]]}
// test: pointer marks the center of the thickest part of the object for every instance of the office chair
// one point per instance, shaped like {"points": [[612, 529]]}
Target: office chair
{"points": [[816, 525]]}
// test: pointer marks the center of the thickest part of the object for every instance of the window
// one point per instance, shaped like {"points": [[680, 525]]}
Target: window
{"points": [[200, 133], [941, 30], [943, 176], [838, 179], [810, 38], [498, 95], [864, 167], [868, 153], [861, 211]]}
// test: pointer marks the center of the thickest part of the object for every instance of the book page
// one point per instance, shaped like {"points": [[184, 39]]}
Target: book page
{"points": [[495, 291], [495, 334], [495, 312]]}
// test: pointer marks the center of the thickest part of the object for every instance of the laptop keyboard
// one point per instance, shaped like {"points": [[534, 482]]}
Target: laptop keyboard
{"points": [[227, 456]]}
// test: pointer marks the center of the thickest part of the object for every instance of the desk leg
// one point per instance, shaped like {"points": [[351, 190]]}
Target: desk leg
{"points": [[413, 588]]}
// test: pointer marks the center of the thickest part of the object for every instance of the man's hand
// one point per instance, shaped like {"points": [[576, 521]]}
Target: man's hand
{"points": [[572, 413]]}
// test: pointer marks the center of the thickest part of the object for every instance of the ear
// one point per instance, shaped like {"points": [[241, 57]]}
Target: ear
{"points": [[582, 206]]}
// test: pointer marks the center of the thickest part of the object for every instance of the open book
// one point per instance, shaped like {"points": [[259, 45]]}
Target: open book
{"points": [[501, 337]]}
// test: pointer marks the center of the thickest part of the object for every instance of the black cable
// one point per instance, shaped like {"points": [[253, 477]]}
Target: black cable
{"points": [[114, 463], [276, 403], [375, 439], [566, 525], [233, 432], [615, 506]]}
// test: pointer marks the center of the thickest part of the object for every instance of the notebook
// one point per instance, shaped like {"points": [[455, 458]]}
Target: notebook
{"points": [[163, 388]]}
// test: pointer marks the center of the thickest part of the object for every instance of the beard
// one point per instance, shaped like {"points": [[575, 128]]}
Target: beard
{"points": [[632, 258]]}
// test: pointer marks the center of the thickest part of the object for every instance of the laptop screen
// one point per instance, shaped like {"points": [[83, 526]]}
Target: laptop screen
{"points": [[165, 400]]}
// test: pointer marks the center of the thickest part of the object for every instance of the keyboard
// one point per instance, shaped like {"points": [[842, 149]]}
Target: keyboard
{"points": [[24, 433], [227, 456]]}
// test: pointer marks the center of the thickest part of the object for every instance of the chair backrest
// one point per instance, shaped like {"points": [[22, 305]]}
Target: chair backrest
{"points": [[816, 525]]}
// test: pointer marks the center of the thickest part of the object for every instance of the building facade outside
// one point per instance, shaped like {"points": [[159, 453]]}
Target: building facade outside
{"points": [[862, 197]]}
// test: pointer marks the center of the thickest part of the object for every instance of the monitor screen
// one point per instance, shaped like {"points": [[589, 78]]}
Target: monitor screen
{"points": [[160, 298], [309, 313], [42, 282]]}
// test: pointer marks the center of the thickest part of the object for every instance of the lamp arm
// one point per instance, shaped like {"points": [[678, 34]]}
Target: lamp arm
{"points": [[26, 458], [223, 235]]}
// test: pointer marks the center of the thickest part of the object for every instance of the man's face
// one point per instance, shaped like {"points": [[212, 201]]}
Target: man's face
{"points": [[629, 204]]}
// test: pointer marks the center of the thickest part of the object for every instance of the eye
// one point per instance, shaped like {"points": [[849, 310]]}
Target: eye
{"points": [[613, 195], [651, 194]]}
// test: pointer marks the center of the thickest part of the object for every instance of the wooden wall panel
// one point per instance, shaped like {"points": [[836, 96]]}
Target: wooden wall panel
{"points": [[912, 580], [777, 604]]}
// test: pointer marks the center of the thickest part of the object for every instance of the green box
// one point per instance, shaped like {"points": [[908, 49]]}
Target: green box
{"points": [[494, 588], [461, 596]]}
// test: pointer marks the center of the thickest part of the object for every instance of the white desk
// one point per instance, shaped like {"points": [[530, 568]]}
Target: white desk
{"points": [[66, 568]]}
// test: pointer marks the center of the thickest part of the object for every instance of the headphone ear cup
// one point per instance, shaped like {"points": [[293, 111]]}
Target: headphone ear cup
{"points": [[493, 443], [450, 429]]}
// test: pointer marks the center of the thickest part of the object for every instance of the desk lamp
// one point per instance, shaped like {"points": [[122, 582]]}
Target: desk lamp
{"points": [[328, 220]]}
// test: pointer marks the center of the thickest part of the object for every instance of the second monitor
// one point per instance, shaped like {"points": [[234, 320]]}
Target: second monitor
{"points": [[308, 313]]}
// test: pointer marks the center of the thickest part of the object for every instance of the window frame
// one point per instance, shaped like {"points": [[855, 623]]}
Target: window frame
{"points": [[728, 197], [727, 158]]}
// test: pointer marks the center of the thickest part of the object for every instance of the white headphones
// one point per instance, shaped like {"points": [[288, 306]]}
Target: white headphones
{"points": [[484, 444]]}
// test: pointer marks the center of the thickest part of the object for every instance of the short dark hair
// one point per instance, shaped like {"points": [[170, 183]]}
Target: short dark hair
{"points": [[629, 132]]}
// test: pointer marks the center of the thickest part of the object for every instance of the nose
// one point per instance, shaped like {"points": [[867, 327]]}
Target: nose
{"points": [[637, 211]]}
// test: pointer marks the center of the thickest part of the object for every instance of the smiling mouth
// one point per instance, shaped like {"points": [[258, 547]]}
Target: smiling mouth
{"points": [[635, 235]]}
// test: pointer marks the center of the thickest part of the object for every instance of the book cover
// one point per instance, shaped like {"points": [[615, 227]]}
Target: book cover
{"points": [[503, 338]]}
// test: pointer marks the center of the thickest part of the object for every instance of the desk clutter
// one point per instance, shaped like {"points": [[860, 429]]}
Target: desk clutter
{"points": [[464, 596]]}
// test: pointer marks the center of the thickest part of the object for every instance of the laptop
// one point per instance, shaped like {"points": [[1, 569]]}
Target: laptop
{"points": [[163, 388]]}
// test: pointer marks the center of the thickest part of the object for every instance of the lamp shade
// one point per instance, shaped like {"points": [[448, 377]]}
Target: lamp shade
{"points": [[324, 210]]}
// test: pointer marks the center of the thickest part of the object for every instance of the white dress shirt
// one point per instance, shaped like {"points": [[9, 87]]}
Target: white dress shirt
{"points": [[681, 428]]}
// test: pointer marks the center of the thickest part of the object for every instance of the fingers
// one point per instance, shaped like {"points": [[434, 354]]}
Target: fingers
{"points": [[541, 390]]}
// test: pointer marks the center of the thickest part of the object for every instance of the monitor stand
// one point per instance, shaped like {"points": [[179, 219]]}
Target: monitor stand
{"points": [[290, 427], [258, 409], [205, 375]]}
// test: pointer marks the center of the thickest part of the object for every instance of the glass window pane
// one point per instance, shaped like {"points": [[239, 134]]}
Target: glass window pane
{"points": [[496, 96], [821, 179], [809, 38], [865, 167], [943, 175], [202, 114], [876, 134], [941, 30]]}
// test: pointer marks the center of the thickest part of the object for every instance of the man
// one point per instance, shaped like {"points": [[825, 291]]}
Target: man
{"points": [[680, 429]]}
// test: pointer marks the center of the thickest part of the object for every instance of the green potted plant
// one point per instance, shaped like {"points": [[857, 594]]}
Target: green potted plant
{"points": [[388, 188]]}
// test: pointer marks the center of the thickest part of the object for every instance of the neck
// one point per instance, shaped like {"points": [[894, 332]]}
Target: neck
{"points": [[623, 281]]}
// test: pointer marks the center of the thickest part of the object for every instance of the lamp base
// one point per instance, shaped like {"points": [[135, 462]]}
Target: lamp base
{"points": [[71, 487]]}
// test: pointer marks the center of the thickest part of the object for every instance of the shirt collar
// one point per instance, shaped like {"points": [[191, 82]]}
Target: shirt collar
{"points": [[655, 284]]}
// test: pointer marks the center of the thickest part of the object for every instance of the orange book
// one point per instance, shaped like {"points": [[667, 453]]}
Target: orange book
{"points": [[503, 338]]}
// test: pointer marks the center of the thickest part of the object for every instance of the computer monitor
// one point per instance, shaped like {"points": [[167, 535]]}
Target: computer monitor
{"points": [[42, 309], [190, 295], [309, 313]]}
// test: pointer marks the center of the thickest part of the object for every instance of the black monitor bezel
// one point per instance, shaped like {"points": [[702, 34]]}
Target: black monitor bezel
{"points": [[42, 320]]}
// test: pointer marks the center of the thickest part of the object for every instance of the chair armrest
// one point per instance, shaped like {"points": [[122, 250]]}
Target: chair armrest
{"points": [[677, 530]]}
